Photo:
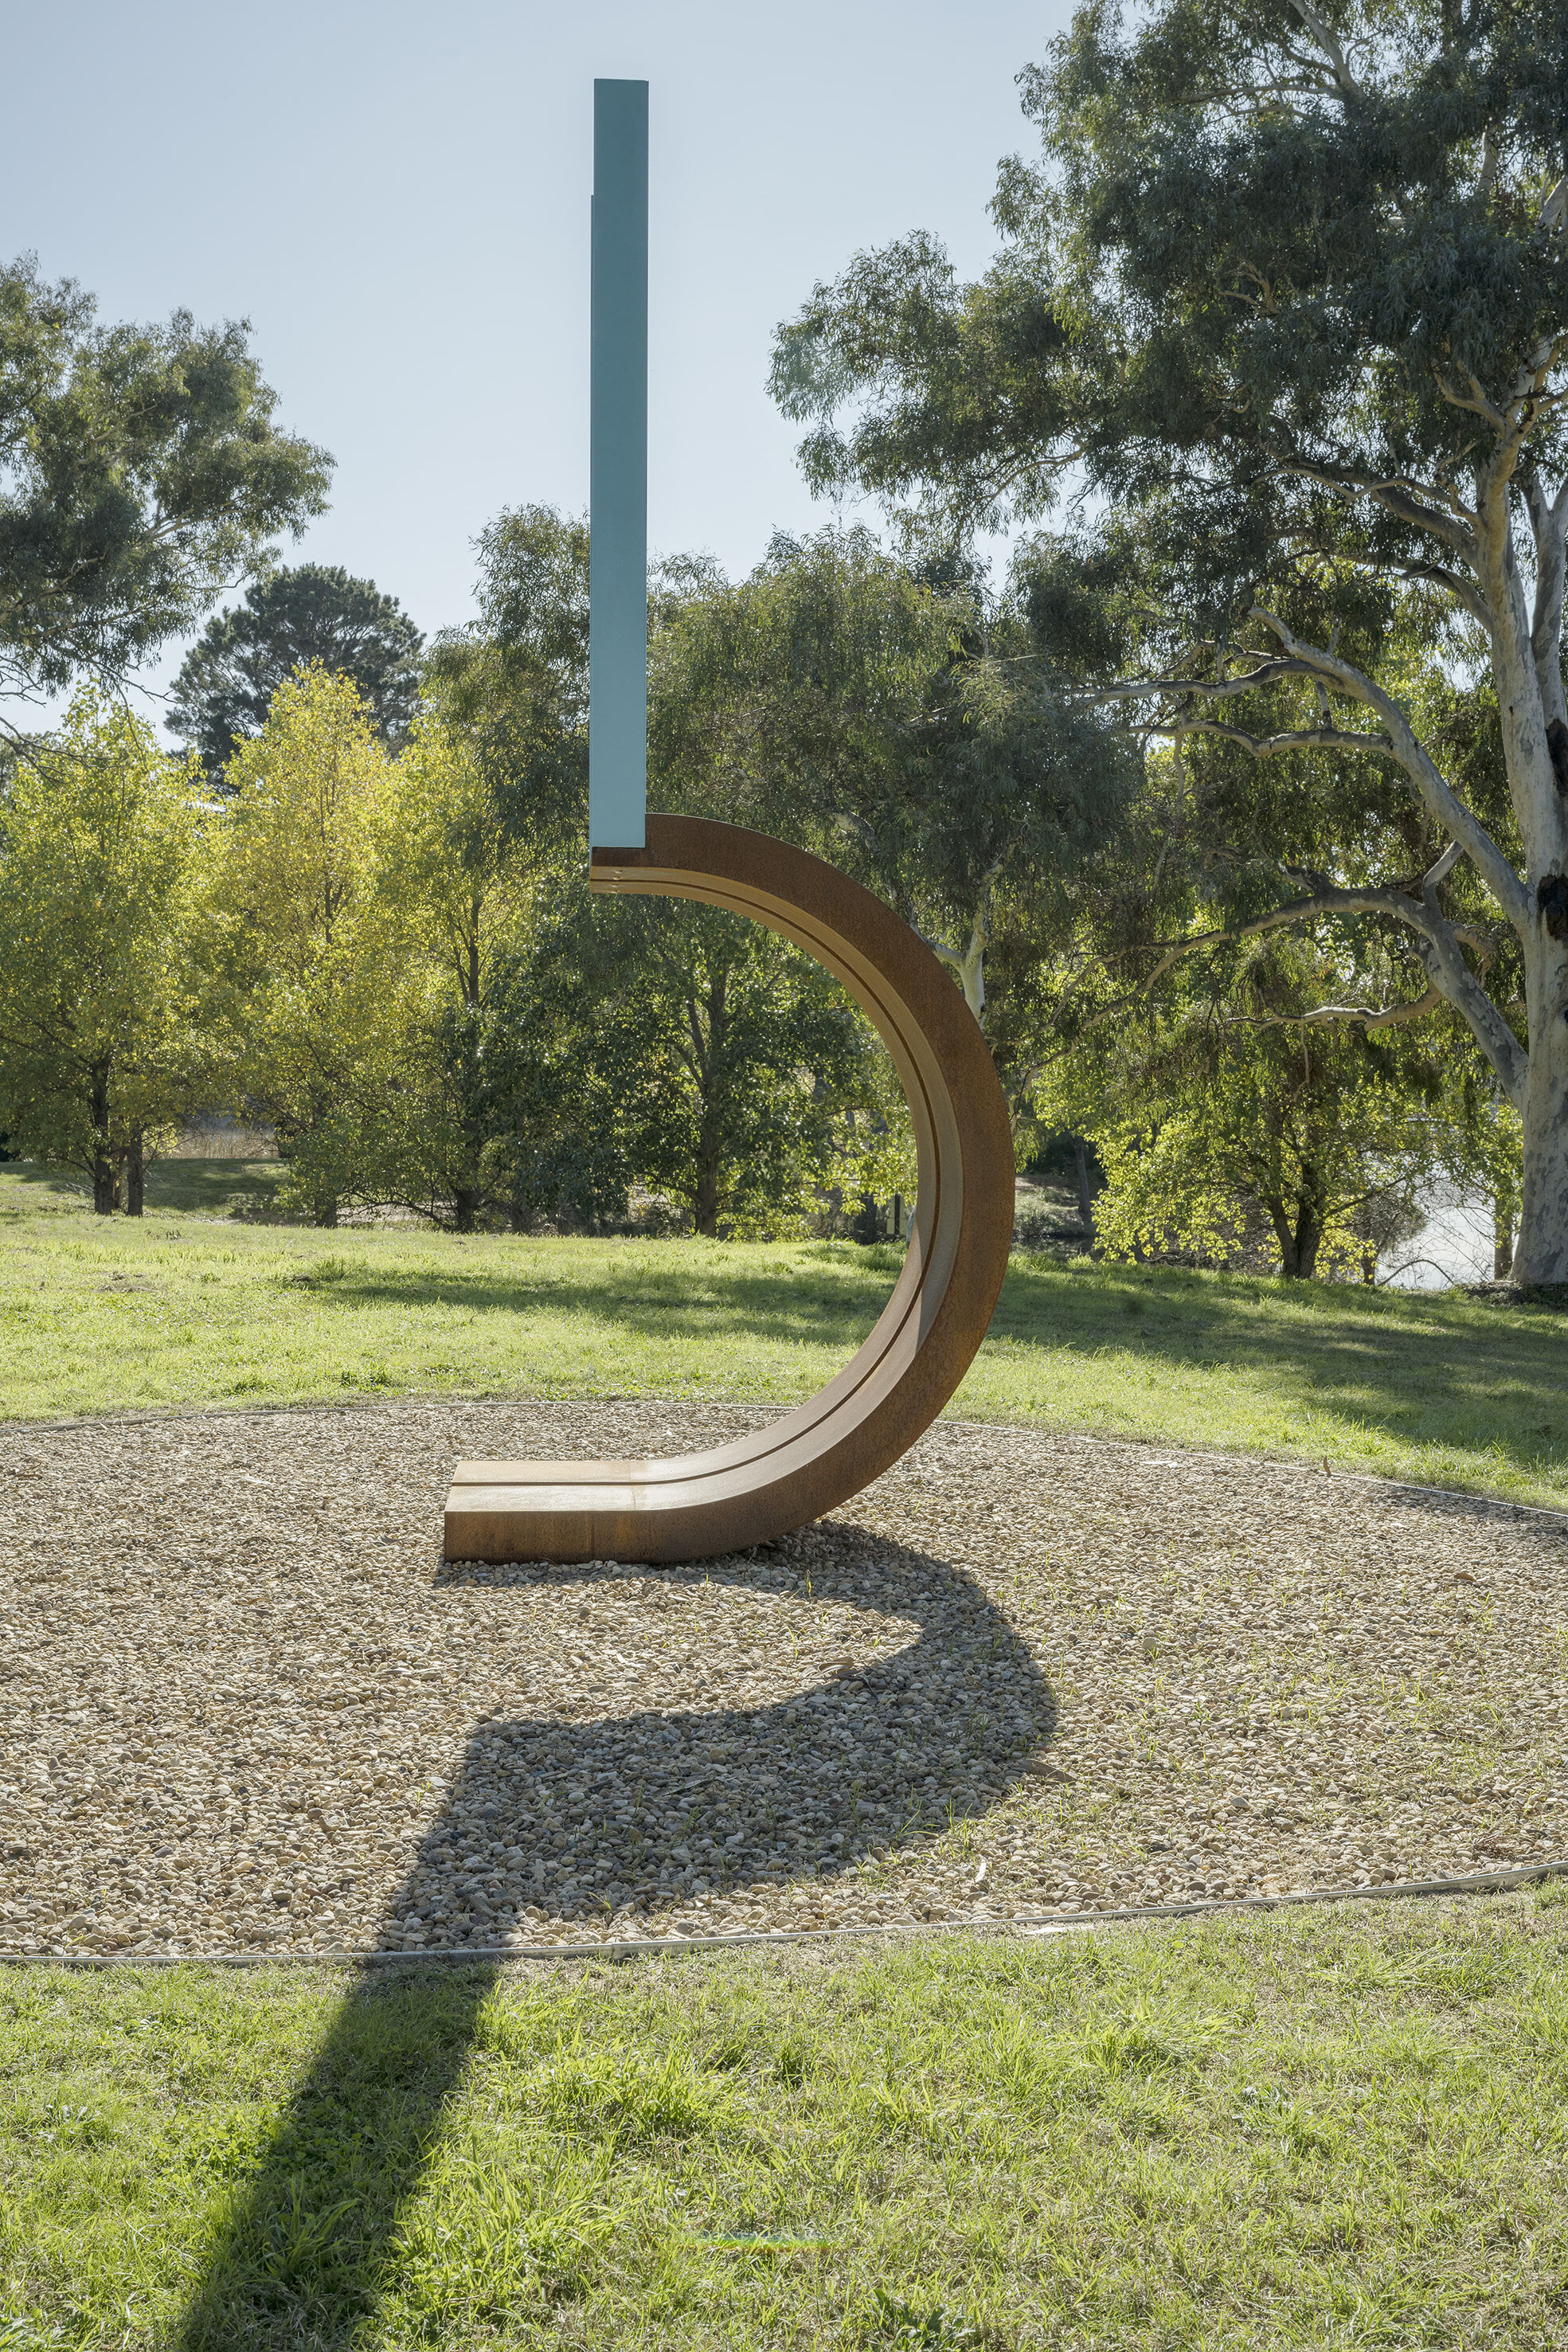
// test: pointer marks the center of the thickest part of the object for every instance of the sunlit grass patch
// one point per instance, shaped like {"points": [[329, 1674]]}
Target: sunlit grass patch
{"points": [[191, 1307], [1226, 2133]]}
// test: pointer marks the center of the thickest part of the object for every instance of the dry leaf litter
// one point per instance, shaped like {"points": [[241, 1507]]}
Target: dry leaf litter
{"points": [[250, 1710]]}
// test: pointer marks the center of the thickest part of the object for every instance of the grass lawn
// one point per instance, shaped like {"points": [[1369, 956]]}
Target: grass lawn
{"points": [[204, 1302], [1315, 2128]]}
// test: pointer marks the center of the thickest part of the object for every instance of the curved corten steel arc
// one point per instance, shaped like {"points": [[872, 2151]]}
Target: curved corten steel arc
{"points": [[694, 1505]]}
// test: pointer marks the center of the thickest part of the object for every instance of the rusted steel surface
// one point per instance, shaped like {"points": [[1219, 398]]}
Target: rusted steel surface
{"points": [[898, 1381]]}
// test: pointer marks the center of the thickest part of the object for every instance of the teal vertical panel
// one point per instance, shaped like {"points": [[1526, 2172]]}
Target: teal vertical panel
{"points": [[618, 472]]}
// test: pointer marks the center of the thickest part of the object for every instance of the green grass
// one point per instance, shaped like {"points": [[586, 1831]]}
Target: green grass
{"points": [[1315, 2128], [202, 1303], [207, 1188], [1319, 2129]]}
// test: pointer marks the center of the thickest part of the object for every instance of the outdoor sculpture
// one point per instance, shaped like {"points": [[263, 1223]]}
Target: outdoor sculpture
{"points": [[903, 1375]]}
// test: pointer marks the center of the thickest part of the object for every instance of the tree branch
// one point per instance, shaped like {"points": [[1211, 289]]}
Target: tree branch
{"points": [[1486, 178], [1430, 786], [1323, 901], [1437, 575], [1394, 497], [1267, 673], [1515, 672], [969, 962], [1549, 528], [1475, 402], [1298, 738], [1387, 1016], [1438, 874], [1327, 40], [1437, 942]]}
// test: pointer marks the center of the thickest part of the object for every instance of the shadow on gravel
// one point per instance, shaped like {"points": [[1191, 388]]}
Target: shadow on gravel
{"points": [[581, 1818], [578, 1819]]}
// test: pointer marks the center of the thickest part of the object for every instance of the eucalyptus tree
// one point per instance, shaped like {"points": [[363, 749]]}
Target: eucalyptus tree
{"points": [[882, 714], [1284, 300], [141, 472]]}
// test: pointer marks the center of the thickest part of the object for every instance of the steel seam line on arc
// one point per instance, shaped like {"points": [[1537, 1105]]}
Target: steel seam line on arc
{"points": [[618, 470]]}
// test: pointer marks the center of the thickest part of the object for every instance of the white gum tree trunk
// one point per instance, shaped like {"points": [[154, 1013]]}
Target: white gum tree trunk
{"points": [[1523, 624], [968, 962], [1527, 666], [1541, 1253]]}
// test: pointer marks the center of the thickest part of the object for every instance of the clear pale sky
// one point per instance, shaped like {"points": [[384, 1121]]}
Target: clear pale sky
{"points": [[397, 199]]}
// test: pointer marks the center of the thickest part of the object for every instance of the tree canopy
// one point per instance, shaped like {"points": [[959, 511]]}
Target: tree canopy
{"points": [[141, 472], [679, 1048], [1283, 304], [517, 682], [307, 953], [307, 613], [1231, 1115], [882, 714], [100, 1029]]}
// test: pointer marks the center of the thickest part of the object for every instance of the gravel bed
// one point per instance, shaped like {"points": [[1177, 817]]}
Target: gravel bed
{"points": [[247, 1708]]}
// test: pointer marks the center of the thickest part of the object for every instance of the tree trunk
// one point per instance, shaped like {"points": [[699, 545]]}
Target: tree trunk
{"points": [[969, 962], [1298, 1242], [1085, 1198], [704, 1201], [713, 1081], [464, 1201], [326, 1213], [1541, 1252], [105, 1174], [135, 1176]]}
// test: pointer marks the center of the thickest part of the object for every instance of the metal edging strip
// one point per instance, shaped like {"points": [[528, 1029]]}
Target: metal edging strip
{"points": [[1488, 1882]]}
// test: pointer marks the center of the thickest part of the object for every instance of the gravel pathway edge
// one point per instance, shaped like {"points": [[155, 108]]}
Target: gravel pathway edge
{"points": [[1488, 1882]]}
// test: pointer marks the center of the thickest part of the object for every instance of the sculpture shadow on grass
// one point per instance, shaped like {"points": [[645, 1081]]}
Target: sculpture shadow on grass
{"points": [[302, 2253], [591, 1816]]}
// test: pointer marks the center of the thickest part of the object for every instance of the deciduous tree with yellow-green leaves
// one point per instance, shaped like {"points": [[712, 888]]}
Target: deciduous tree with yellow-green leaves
{"points": [[102, 1041], [305, 945], [461, 886]]}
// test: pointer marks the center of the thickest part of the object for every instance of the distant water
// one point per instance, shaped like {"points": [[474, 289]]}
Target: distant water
{"points": [[1454, 1246]]}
